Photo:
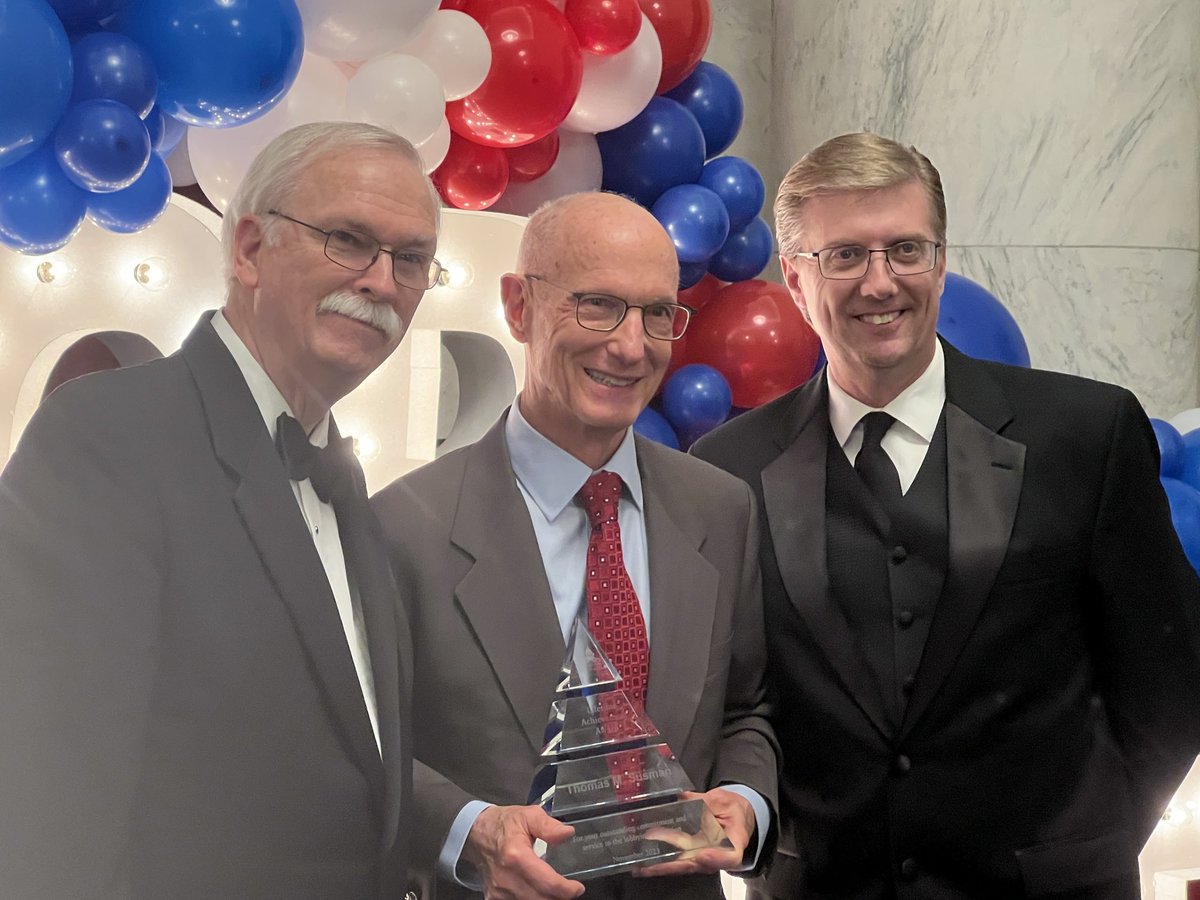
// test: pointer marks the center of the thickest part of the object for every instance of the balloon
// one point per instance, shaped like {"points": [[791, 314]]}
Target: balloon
{"points": [[696, 400], [397, 92], [179, 164], [696, 220], [616, 88], [361, 29], [220, 156], [745, 253], [684, 28], [661, 147], [605, 27], [534, 80], [40, 209], [977, 324], [697, 295], [35, 76], [220, 62], [138, 205], [711, 95], [472, 176], [678, 360], [576, 169], [691, 273], [1184, 501], [533, 160], [434, 148], [173, 132], [1189, 463], [1170, 448], [455, 46], [739, 186], [650, 423], [102, 145], [79, 13], [1186, 420], [752, 333], [114, 67]]}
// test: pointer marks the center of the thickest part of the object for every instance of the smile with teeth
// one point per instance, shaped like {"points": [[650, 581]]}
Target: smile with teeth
{"points": [[880, 318], [610, 380]]}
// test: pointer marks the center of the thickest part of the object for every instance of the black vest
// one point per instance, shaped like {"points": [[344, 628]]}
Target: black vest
{"points": [[886, 572]]}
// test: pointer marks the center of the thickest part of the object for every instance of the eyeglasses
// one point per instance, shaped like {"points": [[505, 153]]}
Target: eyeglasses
{"points": [[357, 251], [602, 312], [852, 261]]}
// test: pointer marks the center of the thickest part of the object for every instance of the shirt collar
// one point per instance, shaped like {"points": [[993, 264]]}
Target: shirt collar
{"points": [[918, 406], [552, 476], [270, 402]]}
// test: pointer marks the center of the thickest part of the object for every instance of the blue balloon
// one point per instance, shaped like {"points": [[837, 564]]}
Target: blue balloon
{"points": [[81, 13], [35, 76], [651, 424], [1189, 464], [1171, 448], [112, 66], [173, 132], [1185, 516], [691, 273], [696, 220], [662, 146], [745, 254], [136, 206], [40, 209], [977, 323], [712, 96], [220, 63], [739, 186], [102, 145], [696, 400]]}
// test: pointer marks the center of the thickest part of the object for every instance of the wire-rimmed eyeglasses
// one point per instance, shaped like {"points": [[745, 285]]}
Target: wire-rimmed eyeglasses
{"points": [[663, 321], [850, 261], [358, 252]]}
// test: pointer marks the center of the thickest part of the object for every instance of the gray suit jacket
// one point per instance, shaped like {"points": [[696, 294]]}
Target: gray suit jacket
{"points": [[488, 646], [182, 716]]}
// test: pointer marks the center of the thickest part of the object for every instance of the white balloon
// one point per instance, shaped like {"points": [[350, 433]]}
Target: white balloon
{"points": [[221, 156], [434, 148], [398, 92], [456, 47], [1188, 420], [179, 164], [361, 29], [578, 168], [616, 88]]}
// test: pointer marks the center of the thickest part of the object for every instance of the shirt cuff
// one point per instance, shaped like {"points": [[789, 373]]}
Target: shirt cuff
{"points": [[456, 839], [762, 819]]}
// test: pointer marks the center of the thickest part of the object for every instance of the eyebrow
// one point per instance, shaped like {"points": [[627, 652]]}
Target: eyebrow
{"points": [[410, 243], [912, 236]]}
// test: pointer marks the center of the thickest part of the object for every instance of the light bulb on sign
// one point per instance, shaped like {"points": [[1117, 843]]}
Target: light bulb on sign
{"points": [[366, 446], [152, 274], [458, 273], [56, 270]]}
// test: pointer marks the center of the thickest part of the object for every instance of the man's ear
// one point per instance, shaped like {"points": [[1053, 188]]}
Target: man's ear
{"points": [[248, 241], [514, 294], [791, 278]]}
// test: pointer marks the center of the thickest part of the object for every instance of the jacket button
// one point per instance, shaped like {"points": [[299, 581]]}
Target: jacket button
{"points": [[903, 765], [908, 869], [905, 618], [908, 684], [899, 554]]}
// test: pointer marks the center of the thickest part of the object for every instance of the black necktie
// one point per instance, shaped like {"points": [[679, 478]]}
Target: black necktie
{"points": [[331, 468], [873, 464]]}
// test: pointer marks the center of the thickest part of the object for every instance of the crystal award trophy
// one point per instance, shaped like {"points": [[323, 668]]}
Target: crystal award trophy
{"points": [[608, 773]]}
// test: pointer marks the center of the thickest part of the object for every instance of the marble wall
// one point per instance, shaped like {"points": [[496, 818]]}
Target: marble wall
{"points": [[1067, 134]]}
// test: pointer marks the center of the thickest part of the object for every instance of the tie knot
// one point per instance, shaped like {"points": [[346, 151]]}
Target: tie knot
{"points": [[331, 468], [599, 496], [875, 426]]}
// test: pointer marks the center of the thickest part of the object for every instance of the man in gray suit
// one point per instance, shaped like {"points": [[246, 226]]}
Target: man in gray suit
{"points": [[203, 681], [489, 544]]}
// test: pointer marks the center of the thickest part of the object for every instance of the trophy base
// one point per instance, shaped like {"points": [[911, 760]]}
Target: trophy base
{"points": [[621, 842]]}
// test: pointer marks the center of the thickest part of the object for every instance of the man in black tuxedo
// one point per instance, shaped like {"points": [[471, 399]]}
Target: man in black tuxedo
{"points": [[204, 682], [984, 637]]}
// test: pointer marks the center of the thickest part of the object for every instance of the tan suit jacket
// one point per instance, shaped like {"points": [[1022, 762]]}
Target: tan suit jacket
{"points": [[488, 647]]}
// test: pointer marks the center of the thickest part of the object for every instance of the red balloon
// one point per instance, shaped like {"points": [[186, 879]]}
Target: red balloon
{"points": [[753, 334], [471, 176], [684, 28], [604, 27], [452, 4], [532, 160], [698, 295], [536, 71]]}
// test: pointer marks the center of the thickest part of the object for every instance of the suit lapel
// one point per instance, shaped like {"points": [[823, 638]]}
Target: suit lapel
{"points": [[264, 500], [505, 595], [683, 600], [984, 473], [794, 497]]}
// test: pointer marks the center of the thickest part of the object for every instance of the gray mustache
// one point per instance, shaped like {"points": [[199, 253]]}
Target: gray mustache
{"points": [[380, 316]]}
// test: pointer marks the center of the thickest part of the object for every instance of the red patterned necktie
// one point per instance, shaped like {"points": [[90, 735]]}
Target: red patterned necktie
{"points": [[614, 615]]}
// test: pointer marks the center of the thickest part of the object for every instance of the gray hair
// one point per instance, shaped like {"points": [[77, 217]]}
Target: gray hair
{"points": [[277, 169], [853, 162]]}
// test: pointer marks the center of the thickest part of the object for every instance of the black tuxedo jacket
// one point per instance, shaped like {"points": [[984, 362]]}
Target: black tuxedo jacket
{"points": [[1055, 707], [181, 715]]}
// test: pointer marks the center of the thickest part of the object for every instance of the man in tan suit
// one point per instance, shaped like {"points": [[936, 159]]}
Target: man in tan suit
{"points": [[490, 543]]}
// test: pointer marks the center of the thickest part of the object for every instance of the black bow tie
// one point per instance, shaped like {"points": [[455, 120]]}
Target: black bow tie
{"points": [[331, 468]]}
